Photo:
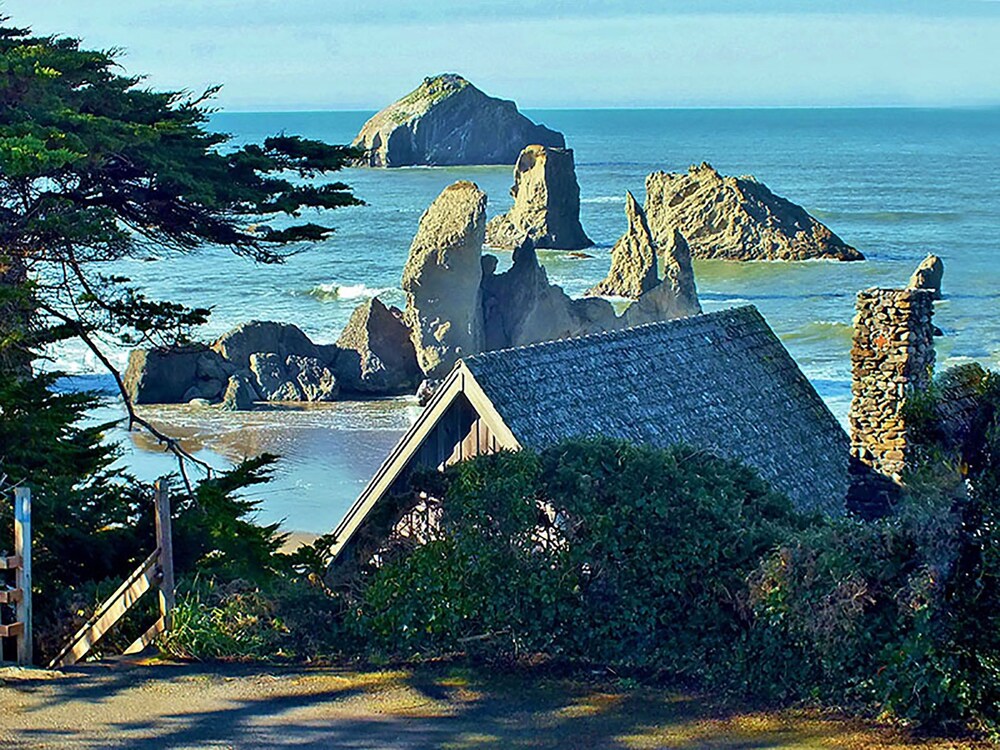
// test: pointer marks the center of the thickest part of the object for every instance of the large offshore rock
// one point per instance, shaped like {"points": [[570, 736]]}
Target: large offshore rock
{"points": [[174, 375], [736, 218], [521, 307], [263, 336], [633, 258], [441, 279], [929, 275], [546, 203], [376, 354], [448, 121]]}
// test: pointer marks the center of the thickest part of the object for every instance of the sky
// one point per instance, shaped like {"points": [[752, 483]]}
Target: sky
{"points": [[340, 54]]}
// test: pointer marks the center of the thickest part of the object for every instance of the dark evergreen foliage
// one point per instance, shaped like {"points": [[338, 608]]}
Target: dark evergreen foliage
{"points": [[96, 167], [92, 524]]}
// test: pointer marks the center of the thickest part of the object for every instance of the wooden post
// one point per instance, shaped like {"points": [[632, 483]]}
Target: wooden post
{"points": [[22, 549], [164, 542]]}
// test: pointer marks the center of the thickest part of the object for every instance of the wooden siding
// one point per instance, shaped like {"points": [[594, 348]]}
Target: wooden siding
{"points": [[479, 440], [459, 423]]}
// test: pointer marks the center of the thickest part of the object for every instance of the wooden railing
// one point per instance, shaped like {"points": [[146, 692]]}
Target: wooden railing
{"points": [[20, 595], [156, 571]]}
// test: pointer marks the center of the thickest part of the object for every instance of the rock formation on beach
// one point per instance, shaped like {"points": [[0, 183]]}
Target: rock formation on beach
{"points": [[281, 377], [263, 361], [448, 121], [546, 203], [262, 336], [376, 354], [634, 273], [521, 307], [256, 361], [442, 276], [633, 258], [240, 394], [736, 218], [172, 376], [676, 296], [928, 275]]}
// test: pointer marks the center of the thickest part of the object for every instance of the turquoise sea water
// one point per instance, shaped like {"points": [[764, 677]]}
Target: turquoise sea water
{"points": [[895, 183]]}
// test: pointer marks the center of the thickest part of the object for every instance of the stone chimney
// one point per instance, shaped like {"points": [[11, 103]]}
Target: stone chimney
{"points": [[892, 356]]}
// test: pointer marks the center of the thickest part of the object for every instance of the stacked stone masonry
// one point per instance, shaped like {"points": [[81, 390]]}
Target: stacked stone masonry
{"points": [[892, 356]]}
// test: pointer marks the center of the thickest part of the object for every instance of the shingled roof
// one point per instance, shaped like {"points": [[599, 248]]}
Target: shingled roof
{"points": [[721, 381]]}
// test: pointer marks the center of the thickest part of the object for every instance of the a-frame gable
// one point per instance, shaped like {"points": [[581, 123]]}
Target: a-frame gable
{"points": [[460, 383]]}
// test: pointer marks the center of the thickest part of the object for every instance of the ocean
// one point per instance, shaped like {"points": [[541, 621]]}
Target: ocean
{"points": [[895, 183]]}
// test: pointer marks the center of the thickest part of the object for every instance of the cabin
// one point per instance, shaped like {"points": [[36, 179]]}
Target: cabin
{"points": [[722, 382]]}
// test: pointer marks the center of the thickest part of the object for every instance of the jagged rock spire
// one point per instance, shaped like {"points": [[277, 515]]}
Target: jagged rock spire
{"points": [[633, 258]]}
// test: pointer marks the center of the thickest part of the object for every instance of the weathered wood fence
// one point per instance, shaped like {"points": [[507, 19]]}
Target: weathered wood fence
{"points": [[20, 595], [157, 571]]}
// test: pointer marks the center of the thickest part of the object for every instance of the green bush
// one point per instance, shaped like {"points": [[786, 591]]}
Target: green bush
{"points": [[900, 614], [646, 565]]}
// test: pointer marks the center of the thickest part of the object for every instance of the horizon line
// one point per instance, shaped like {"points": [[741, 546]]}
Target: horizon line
{"points": [[651, 108]]}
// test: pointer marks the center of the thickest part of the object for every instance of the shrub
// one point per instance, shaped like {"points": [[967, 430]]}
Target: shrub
{"points": [[644, 565], [900, 614], [283, 620]]}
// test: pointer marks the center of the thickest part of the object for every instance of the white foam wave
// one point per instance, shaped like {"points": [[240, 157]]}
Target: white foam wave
{"points": [[333, 291], [604, 199], [73, 358]]}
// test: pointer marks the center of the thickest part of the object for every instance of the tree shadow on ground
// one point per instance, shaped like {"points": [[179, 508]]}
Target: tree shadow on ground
{"points": [[174, 706]]}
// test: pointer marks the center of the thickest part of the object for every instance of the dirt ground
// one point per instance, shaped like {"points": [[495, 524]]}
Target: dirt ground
{"points": [[129, 704]]}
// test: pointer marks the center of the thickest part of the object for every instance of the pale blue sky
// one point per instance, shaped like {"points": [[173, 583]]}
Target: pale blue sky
{"points": [[342, 54]]}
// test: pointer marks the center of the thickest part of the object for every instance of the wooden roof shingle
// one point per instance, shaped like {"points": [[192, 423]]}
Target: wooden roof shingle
{"points": [[721, 382]]}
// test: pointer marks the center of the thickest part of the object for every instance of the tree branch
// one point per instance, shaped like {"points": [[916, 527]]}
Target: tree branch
{"points": [[170, 444]]}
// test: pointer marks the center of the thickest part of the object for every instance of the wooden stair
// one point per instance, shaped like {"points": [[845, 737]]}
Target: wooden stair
{"points": [[157, 571]]}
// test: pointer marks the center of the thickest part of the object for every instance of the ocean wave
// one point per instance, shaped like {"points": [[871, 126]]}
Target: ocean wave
{"points": [[889, 217], [332, 292], [604, 199]]}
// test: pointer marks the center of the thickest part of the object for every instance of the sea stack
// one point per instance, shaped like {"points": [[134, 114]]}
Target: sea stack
{"points": [[929, 275], [375, 352], [634, 273], [676, 296], [633, 258], [521, 306], [446, 121], [442, 276], [736, 218], [546, 203]]}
